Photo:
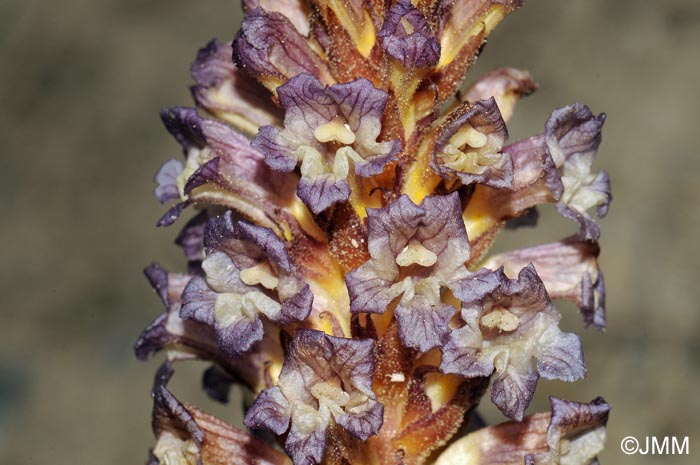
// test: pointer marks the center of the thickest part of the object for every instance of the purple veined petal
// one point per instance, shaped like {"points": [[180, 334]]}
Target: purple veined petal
{"points": [[307, 106], [227, 171], [536, 181], [370, 289], [322, 192], [268, 242], [407, 37], [469, 146], [444, 233], [305, 449], [362, 106], [476, 286], [298, 307], [187, 338], [238, 336], [271, 411], [569, 270], [244, 243], [166, 178], [560, 356], [422, 324], [513, 389], [277, 156], [297, 11], [270, 49], [461, 353], [353, 361], [582, 424], [389, 230], [198, 302], [229, 93]]}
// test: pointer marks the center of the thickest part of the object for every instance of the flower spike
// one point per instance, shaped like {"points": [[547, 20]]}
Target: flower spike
{"points": [[338, 266]]}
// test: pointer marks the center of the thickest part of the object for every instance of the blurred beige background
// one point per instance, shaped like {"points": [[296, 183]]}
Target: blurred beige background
{"points": [[80, 138]]}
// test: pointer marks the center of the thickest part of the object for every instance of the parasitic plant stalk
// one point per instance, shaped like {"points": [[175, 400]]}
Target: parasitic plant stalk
{"points": [[346, 196]]}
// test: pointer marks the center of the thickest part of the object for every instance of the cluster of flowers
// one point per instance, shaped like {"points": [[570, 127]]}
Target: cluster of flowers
{"points": [[338, 264]]}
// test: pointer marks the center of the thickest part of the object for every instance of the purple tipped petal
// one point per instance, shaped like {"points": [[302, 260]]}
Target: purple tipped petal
{"points": [[512, 391], [322, 192], [198, 302], [370, 289], [166, 178], [297, 11], [172, 214], [185, 125], [298, 307], [239, 336], [364, 423], [423, 326], [269, 48], [267, 241], [407, 37], [270, 410], [305, 449]]}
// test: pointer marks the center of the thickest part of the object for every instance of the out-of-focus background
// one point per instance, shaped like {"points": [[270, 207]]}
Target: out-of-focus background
{"points": [[80, 138]]}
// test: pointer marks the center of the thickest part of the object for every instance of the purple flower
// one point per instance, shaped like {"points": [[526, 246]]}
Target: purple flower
{"points": [[416, 252], [504, 332], [332, 131], [229, 93], [569, 270], [187, 436], [355, 226], [325, 380], [407, 37], [469, 146], [247, 274]]}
